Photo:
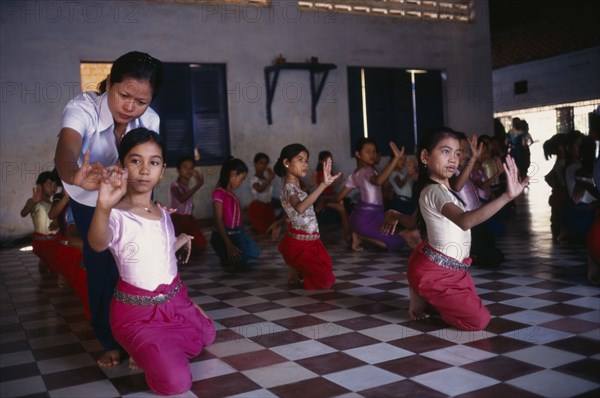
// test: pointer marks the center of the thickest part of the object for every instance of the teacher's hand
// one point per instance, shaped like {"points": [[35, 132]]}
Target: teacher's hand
{"points": [[89, 175]]}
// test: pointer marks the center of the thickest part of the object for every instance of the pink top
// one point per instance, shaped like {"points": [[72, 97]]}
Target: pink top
{"points": [[232, 213], [144, 250], [468, 194], [185, 208], [369, 193]]}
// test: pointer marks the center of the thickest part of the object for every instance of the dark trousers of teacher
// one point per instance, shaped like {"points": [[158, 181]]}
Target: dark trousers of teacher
{"points": [[102, 276]]}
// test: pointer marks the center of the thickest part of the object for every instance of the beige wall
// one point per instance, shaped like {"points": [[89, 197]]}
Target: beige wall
{"points": [[42, 48]]}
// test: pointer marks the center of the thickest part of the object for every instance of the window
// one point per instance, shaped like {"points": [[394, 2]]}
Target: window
{"points": [[433, 10], [193, 113], [521, 87], [192, 106], [389, 104], [564, 119]]}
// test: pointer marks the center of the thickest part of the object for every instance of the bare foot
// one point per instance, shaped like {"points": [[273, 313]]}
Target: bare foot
{"points": [[416, 308], [411, 236], [356, 243], [109, 359], [133, 364], [62, 282]]}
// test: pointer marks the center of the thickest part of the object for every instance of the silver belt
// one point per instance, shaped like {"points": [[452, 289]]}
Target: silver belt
{"points": [[134, 299], [304, 237], [443, 260]]}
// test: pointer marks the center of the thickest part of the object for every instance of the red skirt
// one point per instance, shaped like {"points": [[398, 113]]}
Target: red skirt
{"points": [[451, 291], [310, 257], [260, 215], [70, 264], [593, 242], [45, 247], [189, 225]]}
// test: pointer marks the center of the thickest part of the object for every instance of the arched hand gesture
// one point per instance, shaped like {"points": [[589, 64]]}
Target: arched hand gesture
{"points": [[89, 175], [112, 187], [198, 177], [37, 194], [398, 153], [475, 149], [328, 179], [514, 187]]}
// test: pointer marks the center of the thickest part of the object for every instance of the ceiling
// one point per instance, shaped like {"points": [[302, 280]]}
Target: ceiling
{"points": [[527, 30]]}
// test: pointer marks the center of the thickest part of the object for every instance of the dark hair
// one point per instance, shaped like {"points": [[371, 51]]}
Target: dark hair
{"points": [[361, 142], [137, 137], [572, 137], [552, 146], [259, 156], [229, 165], [459, 135], [45, 176], [322, 156], [136, 65], [184, 159], [288, 152], [428, 144], [56, 178], [516, 122]]}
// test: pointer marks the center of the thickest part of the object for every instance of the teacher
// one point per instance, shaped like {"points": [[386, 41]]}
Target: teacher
{"points": [[93, 125]]}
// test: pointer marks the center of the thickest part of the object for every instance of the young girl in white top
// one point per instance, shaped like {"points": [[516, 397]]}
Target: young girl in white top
{"points": [[261, 211], [437, 268], [151, 314]]}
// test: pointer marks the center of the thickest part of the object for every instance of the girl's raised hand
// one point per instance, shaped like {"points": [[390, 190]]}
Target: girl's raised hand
{"points": [[514, 187], [328, 179], [113, 186], [37, 194], [475, 149], [398, 153], [198, 177]]}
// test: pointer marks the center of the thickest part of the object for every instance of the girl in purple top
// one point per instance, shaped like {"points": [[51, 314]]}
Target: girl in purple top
{"points": [[367, 217], [230, 242]]}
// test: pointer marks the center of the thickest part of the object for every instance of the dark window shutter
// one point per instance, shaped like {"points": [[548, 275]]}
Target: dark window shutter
{"points": [[430, 101], [173, 105], [209, 108]]}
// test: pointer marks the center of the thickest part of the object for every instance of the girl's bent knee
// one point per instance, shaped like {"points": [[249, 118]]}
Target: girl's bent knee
{"points": [[475, 323], [170, 382]]}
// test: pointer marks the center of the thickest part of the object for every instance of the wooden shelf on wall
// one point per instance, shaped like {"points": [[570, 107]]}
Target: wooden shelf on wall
{"points": [[315, 70]]}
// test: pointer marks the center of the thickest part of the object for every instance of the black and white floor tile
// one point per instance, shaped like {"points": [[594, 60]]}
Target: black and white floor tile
{"points": [[355, 340]]}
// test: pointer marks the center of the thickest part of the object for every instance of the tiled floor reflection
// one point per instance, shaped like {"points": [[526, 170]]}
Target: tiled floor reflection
{"points": [[353, 341]]}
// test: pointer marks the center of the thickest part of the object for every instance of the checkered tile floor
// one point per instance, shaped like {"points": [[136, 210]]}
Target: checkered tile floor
{"points": [[353, 341]]}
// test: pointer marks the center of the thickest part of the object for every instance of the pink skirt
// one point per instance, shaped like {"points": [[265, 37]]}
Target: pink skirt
{"points": [[161, 338]]}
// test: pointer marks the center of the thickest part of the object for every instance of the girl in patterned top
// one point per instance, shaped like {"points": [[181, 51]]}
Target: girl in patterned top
{"points": [[309, 265]]}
